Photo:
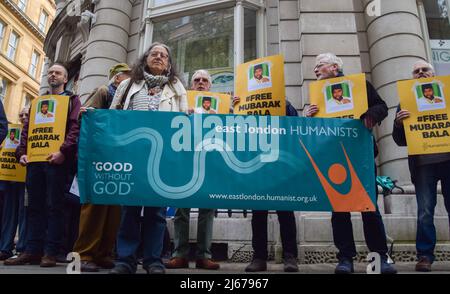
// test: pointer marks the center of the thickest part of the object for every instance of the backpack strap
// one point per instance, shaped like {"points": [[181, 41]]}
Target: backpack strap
{"points": [[124, 96]]}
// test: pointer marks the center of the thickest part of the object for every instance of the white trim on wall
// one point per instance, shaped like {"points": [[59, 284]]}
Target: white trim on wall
{"points": [[238, 34], [189, 7], [424, 27]]}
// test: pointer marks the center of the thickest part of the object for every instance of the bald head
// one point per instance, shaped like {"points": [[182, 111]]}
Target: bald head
{"points": [[57, 77]]}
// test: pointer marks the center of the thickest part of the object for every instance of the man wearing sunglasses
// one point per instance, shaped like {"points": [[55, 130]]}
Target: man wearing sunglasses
{"points": [[426, 171]]}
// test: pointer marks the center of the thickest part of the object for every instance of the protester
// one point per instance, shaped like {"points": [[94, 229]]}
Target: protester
{"points": [[13, 214], [46, 183], [288, 229], [99, 223], [201, 81], [101, 98], [153, 86], [426, 170], [329, 66]]}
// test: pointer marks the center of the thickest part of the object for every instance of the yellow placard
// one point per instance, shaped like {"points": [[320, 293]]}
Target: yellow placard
{"points": [[208, 102], [427, 130], [11, 170], [260, 86], [340, 97], [47, 128]]}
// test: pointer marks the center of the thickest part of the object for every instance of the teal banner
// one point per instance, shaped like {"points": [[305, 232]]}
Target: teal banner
{"points": [[141, 158]]}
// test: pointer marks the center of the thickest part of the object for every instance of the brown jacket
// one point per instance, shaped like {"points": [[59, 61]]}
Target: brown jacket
{"points": [[98, 98]]}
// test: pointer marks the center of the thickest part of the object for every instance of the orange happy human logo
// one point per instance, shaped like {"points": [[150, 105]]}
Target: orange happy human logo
{"points": [[357, 199]]}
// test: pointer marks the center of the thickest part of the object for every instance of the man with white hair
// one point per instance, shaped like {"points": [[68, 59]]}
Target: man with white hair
{"points": [[330, 66], [201, 81], [426, 171]]}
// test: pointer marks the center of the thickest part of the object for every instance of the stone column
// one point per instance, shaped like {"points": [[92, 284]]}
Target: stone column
{"points": [[44, 84], [107, 44], [395, 42]]}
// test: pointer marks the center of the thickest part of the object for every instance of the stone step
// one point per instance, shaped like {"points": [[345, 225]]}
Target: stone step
{"points": [[316, 253], [399, 228], [315, 239], [316, 228], [325, 253], [406, 204]]}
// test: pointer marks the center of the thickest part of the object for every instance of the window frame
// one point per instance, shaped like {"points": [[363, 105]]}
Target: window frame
{"points": [[25, 5], [2, 34], [182, 8], [4, 89], [36, 66], [25, 100], [425, 29], [43, 12], [18, 36]]}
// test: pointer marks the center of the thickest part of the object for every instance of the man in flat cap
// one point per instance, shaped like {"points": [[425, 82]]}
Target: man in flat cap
{"points": [[99, 223], [101, 97]]}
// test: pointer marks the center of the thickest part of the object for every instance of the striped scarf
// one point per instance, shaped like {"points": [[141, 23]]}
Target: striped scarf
{"points": [[144, 100], [155, 81]]}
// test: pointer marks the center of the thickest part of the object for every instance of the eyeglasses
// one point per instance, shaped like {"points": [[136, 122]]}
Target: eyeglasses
{"points": [[421, 69], [155, 54], [320, 65], [204, 80]]}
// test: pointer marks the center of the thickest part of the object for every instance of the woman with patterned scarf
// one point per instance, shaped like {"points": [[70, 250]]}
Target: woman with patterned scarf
{"points": [[153, 86]]}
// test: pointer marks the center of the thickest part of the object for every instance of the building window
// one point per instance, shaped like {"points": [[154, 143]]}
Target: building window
{"points": [[12, 45], [34, 64], [43, 21], [437, 19], [27, 102], [207, 40], [2, 33], [22, 4], [3, 89]]}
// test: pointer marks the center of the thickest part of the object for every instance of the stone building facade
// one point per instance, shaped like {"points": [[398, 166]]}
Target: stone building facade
{"points": [[23, 27], [218, 35]]}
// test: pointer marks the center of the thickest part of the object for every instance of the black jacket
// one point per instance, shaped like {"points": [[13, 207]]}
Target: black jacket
{"points": [[378, 109], [3, 123], [290, 110], [398, 134]]}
